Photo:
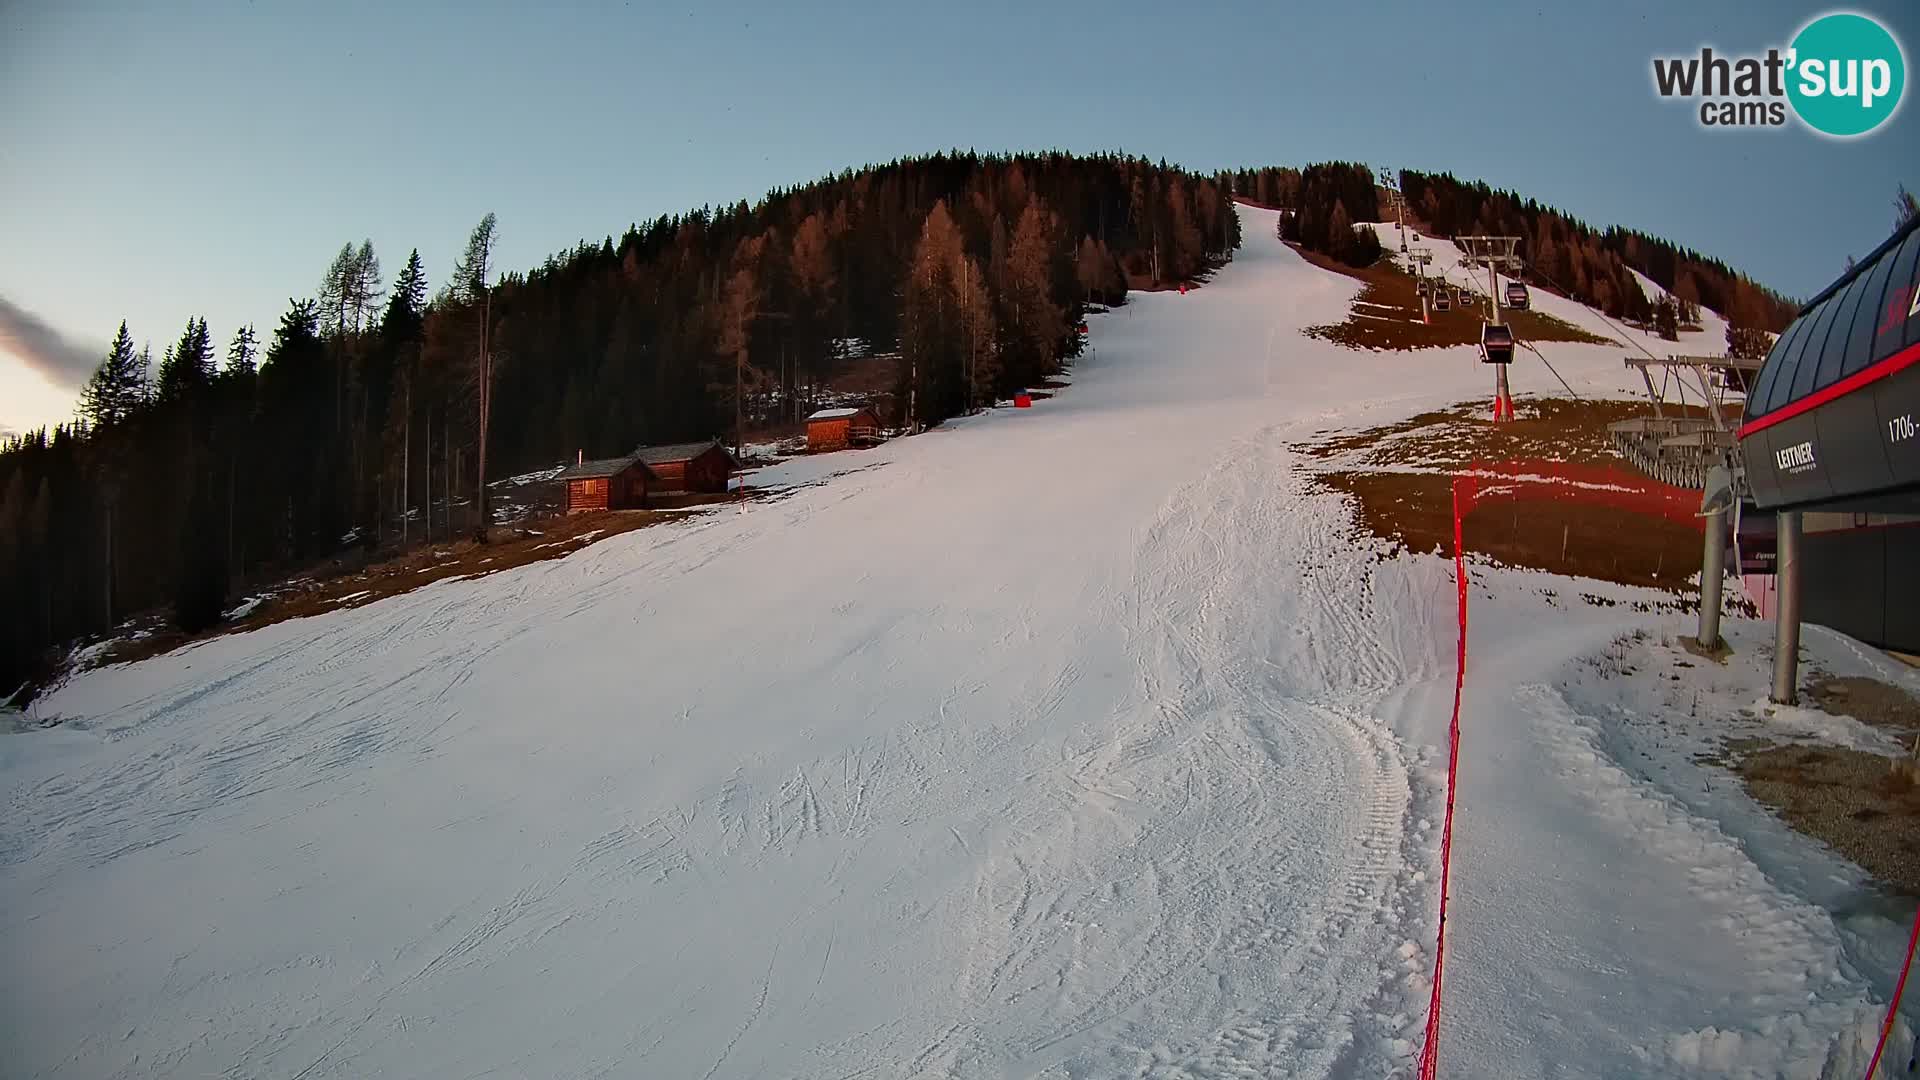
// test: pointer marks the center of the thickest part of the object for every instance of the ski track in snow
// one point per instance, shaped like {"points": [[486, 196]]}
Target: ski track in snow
{"points": [[1080, 742]]}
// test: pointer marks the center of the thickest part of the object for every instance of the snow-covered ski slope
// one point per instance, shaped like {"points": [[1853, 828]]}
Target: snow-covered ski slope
{"points": [[1078, 741]]}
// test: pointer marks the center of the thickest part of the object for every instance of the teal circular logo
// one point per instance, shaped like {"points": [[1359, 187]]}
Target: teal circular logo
{"points": [[1846, 74]]}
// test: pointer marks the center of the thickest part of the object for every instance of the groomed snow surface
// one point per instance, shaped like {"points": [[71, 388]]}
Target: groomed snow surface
{"points": [[1080, 741]]}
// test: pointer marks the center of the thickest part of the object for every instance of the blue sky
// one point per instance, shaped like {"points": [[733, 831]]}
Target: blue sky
{"points": [[208, 158]]}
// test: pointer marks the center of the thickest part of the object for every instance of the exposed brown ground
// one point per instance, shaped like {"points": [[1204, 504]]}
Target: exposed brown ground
{"points": [[1863, 805], [1850, 799], [1386, 315], [1869, 701], [1561, 535], [556, 538], [1551, 428], [1416, 511]]}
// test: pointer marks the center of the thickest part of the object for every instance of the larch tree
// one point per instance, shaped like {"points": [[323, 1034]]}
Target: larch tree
{"points": [[469, 286], [982, 366], [337, 292], [932, 355], [469, 280], [1036, 323], [739, 309], [1100, 280], [815, 282], [366, 287]]}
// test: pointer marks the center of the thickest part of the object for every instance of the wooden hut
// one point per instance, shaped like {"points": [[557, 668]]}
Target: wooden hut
{"points": [[607, 484], [837, 429], [687, 468]]}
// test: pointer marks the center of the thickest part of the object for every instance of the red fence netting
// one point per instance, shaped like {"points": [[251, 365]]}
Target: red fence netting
{"points": [[1537, 479], [1465, 488]]}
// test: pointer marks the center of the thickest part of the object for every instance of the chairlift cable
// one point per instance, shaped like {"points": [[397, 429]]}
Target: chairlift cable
{"points": [[1603, 315], [1550, 367]]}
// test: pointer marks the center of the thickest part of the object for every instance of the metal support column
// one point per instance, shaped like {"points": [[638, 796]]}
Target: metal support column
{"points": [[1713, 572], [1786, 625]]}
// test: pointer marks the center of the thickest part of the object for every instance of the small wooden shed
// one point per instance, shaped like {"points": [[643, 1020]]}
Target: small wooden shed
{"points": [[837, 429], [688, 468], [607, 484]]}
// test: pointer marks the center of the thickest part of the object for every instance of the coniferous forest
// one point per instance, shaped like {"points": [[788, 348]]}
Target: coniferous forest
{"points": [[240, 456], [355, 419]]}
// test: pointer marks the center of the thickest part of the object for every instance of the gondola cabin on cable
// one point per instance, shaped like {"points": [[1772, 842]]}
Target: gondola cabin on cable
{"points": [[1443, 299], [837, 429], [607, 484], [1517, 296], [1496, 344], [1832, 428]]}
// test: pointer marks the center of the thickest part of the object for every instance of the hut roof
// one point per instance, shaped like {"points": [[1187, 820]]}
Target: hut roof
{"points": [[661, 455], [589, 470]]}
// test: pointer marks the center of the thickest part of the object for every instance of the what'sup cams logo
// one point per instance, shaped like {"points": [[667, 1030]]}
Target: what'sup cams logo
{"points": [[1843, 75]]}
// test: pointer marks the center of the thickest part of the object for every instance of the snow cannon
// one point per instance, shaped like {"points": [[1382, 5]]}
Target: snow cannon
{"points": [[1496, 344]]}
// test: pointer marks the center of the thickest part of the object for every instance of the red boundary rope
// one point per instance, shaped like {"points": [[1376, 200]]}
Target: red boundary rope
{"points": [[1463, 494], [1893, 1007], [1466, 492]]}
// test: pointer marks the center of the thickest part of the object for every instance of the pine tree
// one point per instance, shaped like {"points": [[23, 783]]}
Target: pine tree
{"points": [[37, 535], [118, 387], [1339, 243], [1188, 247], [240, 354], [1666, 319], [187, 370], [407, 303], [201, 594], [1905, 207]]}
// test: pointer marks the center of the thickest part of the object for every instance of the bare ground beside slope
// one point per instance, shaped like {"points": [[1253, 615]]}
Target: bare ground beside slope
{"points": [[1401, 479]]}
